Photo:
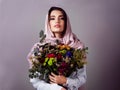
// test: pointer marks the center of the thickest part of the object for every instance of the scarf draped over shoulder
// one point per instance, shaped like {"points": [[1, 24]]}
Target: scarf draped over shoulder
{"points": [[69, 37]]}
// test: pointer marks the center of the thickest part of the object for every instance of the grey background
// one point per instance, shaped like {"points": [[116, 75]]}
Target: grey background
{"points": [[95, 22]]}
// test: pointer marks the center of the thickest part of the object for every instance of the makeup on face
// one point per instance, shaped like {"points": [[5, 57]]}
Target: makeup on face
{"points": [[56, 22]]}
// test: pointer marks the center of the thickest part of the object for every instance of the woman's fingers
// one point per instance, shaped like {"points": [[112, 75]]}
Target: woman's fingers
{"points": [[53, 75], [63, 89], [59, 79], [51, 82], [52, 78]]}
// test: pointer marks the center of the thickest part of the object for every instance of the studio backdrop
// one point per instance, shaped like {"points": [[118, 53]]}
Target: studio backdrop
{"points": [[95, 22]]}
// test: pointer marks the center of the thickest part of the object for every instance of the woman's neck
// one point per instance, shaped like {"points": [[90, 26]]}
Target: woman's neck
{"points": [[58, 35]]}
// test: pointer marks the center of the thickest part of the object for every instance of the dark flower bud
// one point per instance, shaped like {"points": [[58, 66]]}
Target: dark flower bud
{"points": [[69, 54]]}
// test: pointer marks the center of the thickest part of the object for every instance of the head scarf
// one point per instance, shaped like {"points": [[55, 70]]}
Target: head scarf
{"points": [[69, 37]]}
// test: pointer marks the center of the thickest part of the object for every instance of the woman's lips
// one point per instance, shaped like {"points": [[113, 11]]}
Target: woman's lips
{"points": [[57, 26]]}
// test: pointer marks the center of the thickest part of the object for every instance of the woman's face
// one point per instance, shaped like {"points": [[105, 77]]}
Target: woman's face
{"points": [[56, 22]]}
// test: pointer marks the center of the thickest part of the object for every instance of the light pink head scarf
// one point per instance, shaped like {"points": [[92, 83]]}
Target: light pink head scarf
{"points": [[69, 38]]}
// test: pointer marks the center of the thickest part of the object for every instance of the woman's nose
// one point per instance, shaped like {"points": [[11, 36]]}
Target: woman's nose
{"points": [[57, 20]]}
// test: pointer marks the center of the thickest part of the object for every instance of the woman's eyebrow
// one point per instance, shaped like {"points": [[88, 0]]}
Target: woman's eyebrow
{"points": [[61, 16], [54, 16]]}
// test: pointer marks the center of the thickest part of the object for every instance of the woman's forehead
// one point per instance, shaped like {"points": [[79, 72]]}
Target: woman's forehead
{"points": [[56, 12]]}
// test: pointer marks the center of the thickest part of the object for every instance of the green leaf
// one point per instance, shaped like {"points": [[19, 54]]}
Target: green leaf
{"points": [[41, 33], [42, 38]]}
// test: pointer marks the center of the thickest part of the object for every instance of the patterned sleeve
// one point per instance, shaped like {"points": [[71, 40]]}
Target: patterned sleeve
{"points": [[30, 54], [74, 82]]}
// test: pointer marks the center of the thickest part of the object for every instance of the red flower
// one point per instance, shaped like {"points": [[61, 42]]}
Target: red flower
{"points": [[51, 55], [41, 60], [63, 68], [61, 71], [64, 65], [59, 57]]}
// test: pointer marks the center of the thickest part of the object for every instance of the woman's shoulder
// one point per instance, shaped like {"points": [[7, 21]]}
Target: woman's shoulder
{"points": [[81, 45]]}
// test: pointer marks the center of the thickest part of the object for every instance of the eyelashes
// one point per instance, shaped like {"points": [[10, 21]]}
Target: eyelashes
{"points": [[62, 18], [53, 18]]}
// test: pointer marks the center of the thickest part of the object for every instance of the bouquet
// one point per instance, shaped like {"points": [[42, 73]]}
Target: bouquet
{"points": [[60, 59]]}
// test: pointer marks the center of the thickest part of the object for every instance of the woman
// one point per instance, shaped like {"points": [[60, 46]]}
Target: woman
{"points": [[57, 27]]}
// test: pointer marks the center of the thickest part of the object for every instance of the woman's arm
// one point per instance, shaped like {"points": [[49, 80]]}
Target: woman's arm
{"points": [[41, 85], [76, 80], [75, 83]]}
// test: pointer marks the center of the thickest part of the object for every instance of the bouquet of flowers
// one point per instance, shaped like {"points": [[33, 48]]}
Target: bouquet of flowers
{"points": [[60, 59]]}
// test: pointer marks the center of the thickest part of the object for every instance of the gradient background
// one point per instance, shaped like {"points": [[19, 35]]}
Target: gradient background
{"points": [[95, 22]]}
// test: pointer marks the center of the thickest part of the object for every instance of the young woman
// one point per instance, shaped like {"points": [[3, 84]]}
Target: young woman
{"points": [[57, 27]]}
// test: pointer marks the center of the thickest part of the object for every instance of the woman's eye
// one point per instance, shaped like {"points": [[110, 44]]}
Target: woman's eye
{"points": [[62, 18], [52, 19]]}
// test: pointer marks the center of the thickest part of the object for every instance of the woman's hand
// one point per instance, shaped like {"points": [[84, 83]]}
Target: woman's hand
{"points": [[58, 79], [63, 89]]}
